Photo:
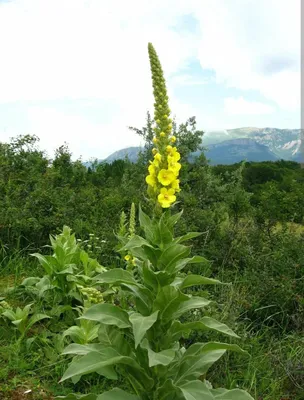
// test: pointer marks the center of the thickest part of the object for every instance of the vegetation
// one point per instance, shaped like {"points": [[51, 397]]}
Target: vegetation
{"points": [[129, 300]]}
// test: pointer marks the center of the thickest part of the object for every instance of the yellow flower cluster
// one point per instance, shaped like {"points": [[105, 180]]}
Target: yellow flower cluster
{"points": [[164, 169]]}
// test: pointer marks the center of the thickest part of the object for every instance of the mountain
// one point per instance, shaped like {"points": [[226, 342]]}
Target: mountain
{"points": [[130, 152], [237, 150], [284, 143], [234, 145]]}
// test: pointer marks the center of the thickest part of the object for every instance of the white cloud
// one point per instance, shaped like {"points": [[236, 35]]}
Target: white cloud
{"points": [[240, 106], [244, 40]]}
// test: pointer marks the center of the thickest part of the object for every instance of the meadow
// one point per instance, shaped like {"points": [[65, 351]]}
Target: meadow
{"points": [[192, 289]]}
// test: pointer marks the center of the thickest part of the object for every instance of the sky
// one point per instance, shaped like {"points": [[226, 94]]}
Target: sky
{"points": [[77, 71]]}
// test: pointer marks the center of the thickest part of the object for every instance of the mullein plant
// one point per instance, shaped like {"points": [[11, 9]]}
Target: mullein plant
{"points": [[144, 343]]}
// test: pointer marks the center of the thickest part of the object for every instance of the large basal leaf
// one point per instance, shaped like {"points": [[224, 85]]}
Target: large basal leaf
{"points": [[83, 349], [178, 329], [196, 390], [199, 357], [107, 314], [168, 301], [141, 325], [192, 280], [234, 394], [96, 361], [117, 394], [73, 396], [192, 303], [116, 276]]}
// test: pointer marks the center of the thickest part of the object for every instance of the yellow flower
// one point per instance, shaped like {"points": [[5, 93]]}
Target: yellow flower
{"points": [[173, 139], [166, 197], [175, 185], [165, 177], [151, 180], [162, 134], [169, 149], [156, 163], [154, 151], [152, 169], [128, 257], [174, 153], [157, 157], [154, 140]]}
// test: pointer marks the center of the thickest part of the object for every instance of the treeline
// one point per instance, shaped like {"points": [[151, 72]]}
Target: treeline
{"points": [[38, 195]]}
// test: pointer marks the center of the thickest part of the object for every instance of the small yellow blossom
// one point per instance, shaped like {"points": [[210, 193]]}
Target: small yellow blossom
{"points": [[174, 166], [175, 185], [154, 140], [151, 180], [154, 151], [152, 169], [169, 148], [173, 139], [165, 177], [157, 157], [162, 134], [128, 257], [166, 197]]}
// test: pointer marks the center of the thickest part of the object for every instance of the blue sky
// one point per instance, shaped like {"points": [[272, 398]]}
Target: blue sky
{"points": [[77, 71]]}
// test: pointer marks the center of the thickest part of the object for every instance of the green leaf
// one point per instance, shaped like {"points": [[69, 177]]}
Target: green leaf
{"points": [[192, 280], [171, 255], [172, 220], [141, 325], [196, 390], [73, 396], [95, 361], [30, 281], [168, 301], [193, 260], [155, 279], [199, 357], [36, 318], [192, 303], [234, 394], [136, 241], [164, 357], [83, 349], [143, 298], [147, 225], [187, 236], [111, 336], [117, 394], [116, 276], [44, 261], [206, 323], [107, 314]]}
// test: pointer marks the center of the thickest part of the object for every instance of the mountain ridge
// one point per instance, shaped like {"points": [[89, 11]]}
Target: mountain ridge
{"points": [[234, 145]]}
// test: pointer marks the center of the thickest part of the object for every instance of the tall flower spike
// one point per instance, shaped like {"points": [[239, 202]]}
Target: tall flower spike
{"points": [[164, 169]]}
